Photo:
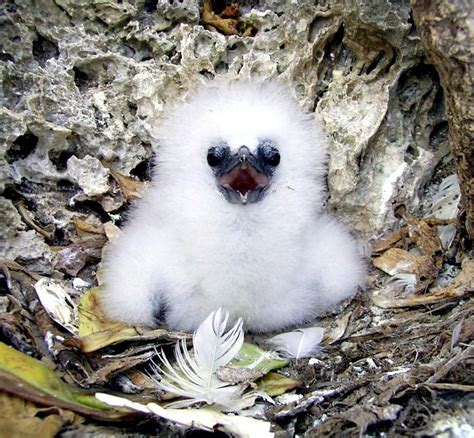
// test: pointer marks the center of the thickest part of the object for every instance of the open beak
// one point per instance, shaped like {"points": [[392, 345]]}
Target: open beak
{"points": [[243, 180]]}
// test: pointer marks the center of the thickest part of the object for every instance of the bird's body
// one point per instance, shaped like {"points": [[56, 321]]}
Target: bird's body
{"points": [[233, 219]]}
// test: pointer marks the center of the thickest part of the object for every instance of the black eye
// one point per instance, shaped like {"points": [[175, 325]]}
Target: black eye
{"points": [[271, 156], [215, 156]]}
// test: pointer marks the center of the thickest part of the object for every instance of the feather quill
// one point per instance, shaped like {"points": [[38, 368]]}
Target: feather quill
{"points": [[194, 376], [300, 343]]}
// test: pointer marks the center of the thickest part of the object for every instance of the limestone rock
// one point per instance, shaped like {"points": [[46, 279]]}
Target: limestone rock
{"points": [[88, 174], [86, 81]]}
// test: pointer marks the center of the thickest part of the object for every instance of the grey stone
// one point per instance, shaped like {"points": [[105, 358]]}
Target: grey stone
{"points": [[85, 81]]}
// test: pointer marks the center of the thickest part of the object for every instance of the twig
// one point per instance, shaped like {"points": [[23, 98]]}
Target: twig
{"points": [[450, 364]]}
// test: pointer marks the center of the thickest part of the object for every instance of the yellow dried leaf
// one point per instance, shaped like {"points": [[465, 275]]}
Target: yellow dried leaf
{"points": [[95, 330], [275, 384]]}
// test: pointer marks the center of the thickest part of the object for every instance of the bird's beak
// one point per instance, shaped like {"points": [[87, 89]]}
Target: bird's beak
{"points": [[244, 180]]}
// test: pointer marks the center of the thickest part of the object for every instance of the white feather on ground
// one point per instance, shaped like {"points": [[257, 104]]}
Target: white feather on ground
{"points": [[194, 375], [300, 343]]}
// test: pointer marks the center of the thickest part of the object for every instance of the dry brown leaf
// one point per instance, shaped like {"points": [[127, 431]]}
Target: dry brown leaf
{"points": [[72, 258], [364, 416], [141, 379], [386, 242], [131, 188], [83, 227], [423, 235], [96, 331], [275, 384], [227, 26], [20, 418], [397, 261], [463, 285], [231, 11], [336, 333], [115, 366], [395, 386]]}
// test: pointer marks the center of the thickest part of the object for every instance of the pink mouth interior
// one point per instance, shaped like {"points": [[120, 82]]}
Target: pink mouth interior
{"points": [[243, 179]]}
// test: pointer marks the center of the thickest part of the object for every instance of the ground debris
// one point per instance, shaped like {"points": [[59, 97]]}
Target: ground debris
{"points": [[396, 353], [381, 352]]}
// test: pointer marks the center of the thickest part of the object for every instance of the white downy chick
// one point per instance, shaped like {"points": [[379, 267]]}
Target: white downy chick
{"points": [[233, 219]]}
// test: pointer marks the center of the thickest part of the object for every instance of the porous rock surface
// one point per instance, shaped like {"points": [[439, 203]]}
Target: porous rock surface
{"points": [[85, 81]]}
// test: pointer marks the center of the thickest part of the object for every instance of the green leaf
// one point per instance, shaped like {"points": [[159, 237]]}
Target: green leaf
{"points": [[30, 379], [251, 356]]}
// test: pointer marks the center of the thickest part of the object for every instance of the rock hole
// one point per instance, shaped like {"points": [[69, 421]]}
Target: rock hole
{"points": [[222, 67], [5, 57], [143, 170], [439, 134], [206, 73], [44, 49], [88, 206], [4, 290], [415, 85], [133, 108], [411, 22], [59, 159], [438, 109], [59, 238], [12, 194], [333, 51], [373, 65], [392, 62], [219, 5], [81, 79], [411, 154], [64, 185], [150, 6], [23, 146]]}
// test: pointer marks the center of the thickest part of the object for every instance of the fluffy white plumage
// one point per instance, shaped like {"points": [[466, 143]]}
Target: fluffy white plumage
{"points": [[186, 250]]}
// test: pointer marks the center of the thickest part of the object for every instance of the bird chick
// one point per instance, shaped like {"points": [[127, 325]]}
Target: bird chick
{"points": [[233, 219]]}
